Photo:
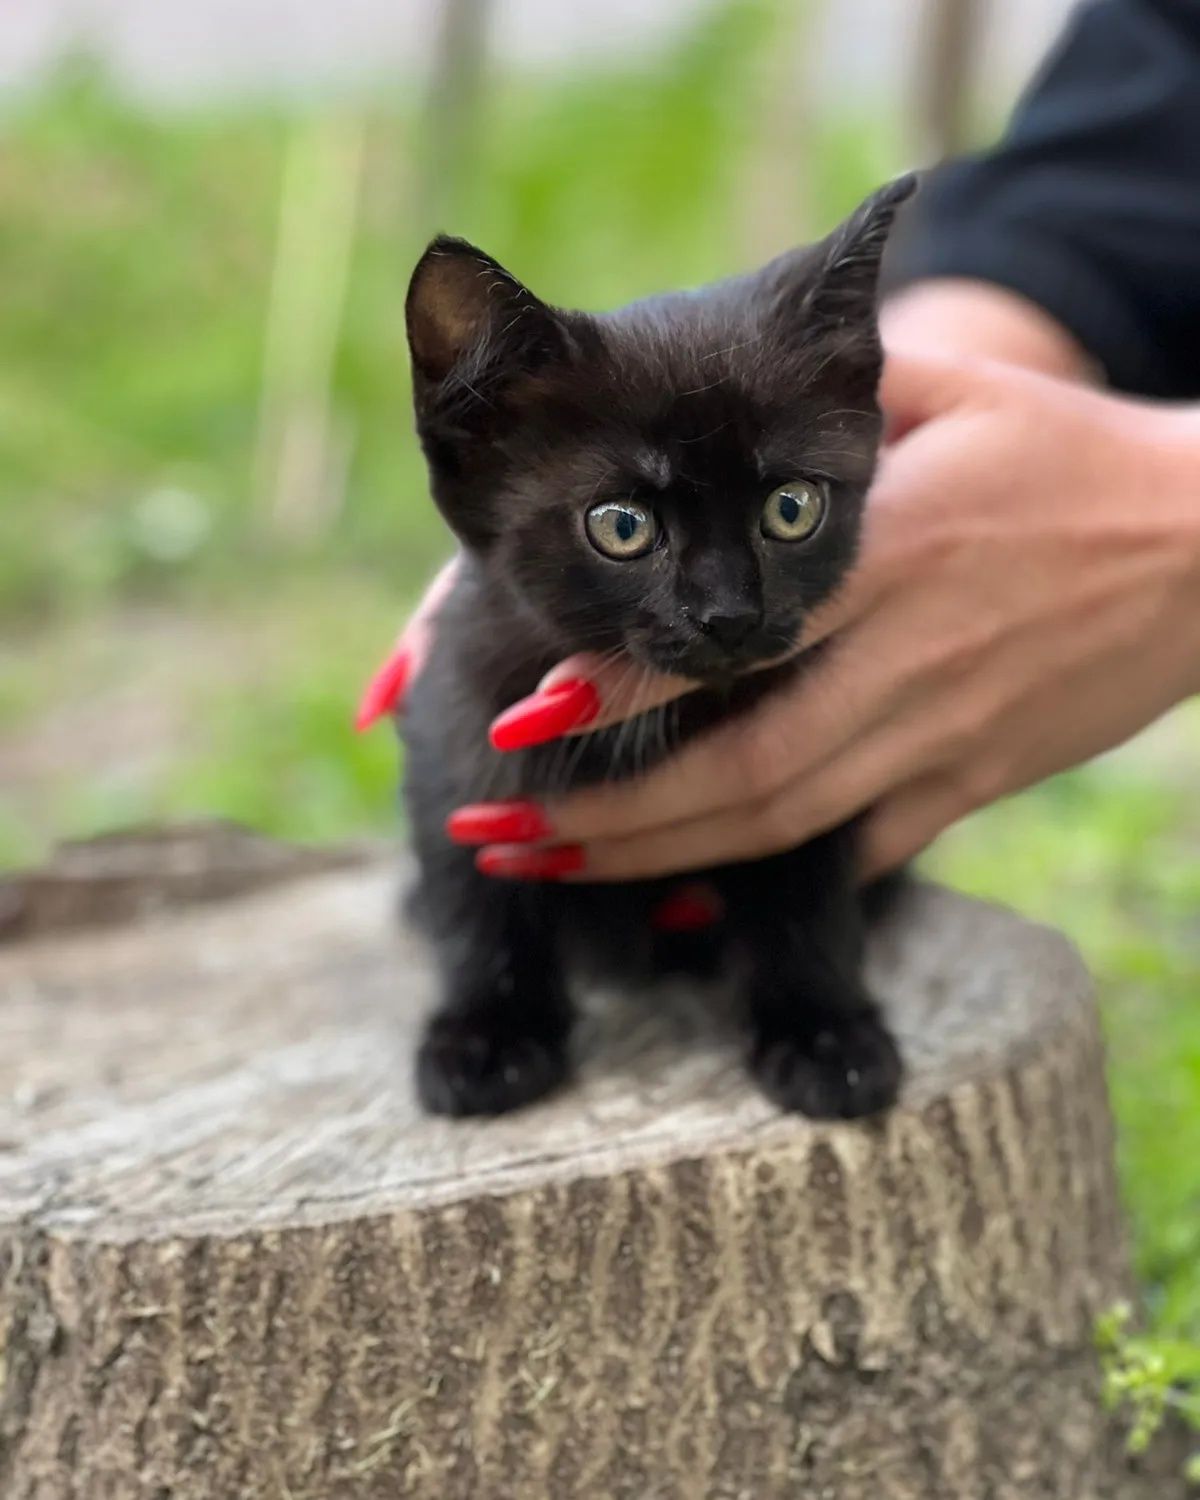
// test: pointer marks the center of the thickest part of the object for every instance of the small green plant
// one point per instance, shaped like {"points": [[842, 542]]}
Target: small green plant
{"points": [[1147, 1377]]}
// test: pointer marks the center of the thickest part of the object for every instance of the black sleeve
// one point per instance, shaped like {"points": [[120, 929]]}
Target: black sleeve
{"points": [[1090, 204]]}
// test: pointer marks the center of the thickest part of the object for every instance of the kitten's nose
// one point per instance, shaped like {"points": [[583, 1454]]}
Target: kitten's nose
{"points": [[728, 626]]}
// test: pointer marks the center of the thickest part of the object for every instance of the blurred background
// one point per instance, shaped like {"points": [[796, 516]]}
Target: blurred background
{"points": [[213, 514]]}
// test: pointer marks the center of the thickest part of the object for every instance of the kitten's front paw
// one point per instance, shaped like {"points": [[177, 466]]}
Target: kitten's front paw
{"points": [[833, 1067], [473, 1065]]}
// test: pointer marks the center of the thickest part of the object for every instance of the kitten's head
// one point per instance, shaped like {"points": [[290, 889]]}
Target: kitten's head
{"points": [[683, 478]]}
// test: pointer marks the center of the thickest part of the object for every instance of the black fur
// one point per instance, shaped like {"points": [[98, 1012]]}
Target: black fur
{"points": [[698, 405]]}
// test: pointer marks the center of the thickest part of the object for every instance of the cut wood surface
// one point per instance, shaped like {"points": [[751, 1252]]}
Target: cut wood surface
{"points": [[237, 1261]]}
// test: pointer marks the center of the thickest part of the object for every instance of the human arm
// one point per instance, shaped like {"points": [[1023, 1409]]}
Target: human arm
{"points": [[1088, 208]]}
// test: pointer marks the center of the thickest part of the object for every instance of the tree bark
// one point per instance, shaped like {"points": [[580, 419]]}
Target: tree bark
{"points": [[237, 1262], [453, 113], [948, 43]]}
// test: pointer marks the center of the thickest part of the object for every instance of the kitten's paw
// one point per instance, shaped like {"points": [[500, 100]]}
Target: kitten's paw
{"points": [[836, 1067], [469, 1065]]}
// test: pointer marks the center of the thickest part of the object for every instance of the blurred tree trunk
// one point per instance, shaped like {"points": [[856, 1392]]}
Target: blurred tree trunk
{"points": [[453, 110], [775, 201], [302, 452], [947, 50]]}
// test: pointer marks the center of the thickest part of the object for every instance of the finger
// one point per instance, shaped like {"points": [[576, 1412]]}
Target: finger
{"points": [[799, 811], [385, 692], [418, 633], [903, 823], [916, 387], [724, 838], [624, 687], [583, 694], [906, 822]]}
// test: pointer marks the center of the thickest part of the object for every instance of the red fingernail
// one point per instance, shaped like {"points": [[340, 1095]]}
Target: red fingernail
{"points": [[544, 716], [512, 862], [498, 823], [385, 690], [689, 909]]}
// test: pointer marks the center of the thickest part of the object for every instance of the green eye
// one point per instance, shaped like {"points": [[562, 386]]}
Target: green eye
{"points": [[621, 529], [793, 511]]}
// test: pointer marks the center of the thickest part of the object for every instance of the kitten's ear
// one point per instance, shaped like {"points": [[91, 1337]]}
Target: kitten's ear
{"points": [[846, 285], [468, 316]]}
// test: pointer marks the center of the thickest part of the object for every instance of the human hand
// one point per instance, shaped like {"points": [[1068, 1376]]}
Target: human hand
{"points": [[1027, 597]]}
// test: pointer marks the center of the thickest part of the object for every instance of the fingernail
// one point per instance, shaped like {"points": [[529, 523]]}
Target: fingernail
{"points": [[689, 909], [498, 823], [544, 716], [512, 862], [385, 690]]}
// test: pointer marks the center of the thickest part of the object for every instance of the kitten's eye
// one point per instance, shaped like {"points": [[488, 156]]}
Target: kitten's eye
{"points": [[793, 511], [621, 529]]}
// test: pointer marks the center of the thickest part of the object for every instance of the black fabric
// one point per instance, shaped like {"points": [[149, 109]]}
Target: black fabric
{"points": [[1090, 204]]}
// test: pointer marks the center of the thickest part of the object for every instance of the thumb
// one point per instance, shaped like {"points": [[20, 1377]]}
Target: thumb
{"points": [[582, 694], [624, 687], [385, 692], [916, 387]]}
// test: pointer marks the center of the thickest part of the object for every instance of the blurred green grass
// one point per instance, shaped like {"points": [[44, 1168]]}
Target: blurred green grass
{"points": [[162, 652]]}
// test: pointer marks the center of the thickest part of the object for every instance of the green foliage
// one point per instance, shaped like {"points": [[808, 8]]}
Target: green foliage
{"points": [[279, 755], [1148, 1377]]}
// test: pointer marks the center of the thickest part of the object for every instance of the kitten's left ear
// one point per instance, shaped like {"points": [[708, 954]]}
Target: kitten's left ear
{"points": [[846, 285]]}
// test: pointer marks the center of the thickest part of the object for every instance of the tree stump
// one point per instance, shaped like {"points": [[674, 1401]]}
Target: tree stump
{"points": [[237, 1261]]}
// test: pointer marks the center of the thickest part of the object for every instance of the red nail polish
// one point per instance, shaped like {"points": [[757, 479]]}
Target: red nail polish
{"points": [[385, 690], [498, 823], [691, 908], [512, 862], [544, 716]]}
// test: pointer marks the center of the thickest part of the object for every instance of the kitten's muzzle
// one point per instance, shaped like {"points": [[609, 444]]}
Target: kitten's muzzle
{"points": [[705, 658], [728, 631]]}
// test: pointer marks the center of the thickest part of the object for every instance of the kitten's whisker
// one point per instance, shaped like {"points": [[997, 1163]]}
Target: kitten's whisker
{"points": [[685, 442], [466, 384], [732, 348], [573, 764], [815, 456], [635, 668], [661, 711], [846, 411], [641, 726], [638, 725], [808, 376]]}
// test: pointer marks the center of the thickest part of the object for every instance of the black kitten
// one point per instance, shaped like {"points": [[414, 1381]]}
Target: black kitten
{"points": [[681, 480]]}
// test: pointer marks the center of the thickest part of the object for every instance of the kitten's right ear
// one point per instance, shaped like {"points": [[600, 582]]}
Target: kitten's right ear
{"points": [[468, 316], [846, 287]]}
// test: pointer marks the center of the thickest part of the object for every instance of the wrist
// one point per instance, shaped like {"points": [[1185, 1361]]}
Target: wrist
{"points": [[981, 320], [1170, 442]]}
